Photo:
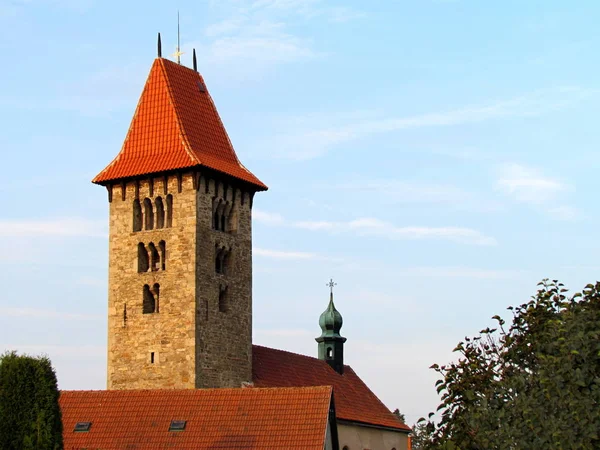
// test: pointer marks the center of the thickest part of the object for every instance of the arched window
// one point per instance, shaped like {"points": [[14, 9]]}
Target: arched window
{"points": [[169, 211], [346, 447], [216, 223], [329, 352], [225, 263], [137, 215], [160, 213], [223, 299], [163, 255], [148, 305], [219, 261], [156, 292], [148, 215], [143, 263], [154, 257]]}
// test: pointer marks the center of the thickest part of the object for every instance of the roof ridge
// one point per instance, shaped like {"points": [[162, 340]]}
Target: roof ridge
{"points": [[186, 143], [294, 353]]}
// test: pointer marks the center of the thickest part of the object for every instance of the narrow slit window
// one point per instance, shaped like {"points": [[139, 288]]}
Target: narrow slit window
{"points": [[151, 357], [223, 300]]}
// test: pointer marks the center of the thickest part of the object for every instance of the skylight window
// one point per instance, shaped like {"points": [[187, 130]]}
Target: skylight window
{"points": [[201, 86], [82, 427], [177, 425]]}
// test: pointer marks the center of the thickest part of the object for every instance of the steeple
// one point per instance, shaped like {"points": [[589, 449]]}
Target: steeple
{"points": [[331, 343]]}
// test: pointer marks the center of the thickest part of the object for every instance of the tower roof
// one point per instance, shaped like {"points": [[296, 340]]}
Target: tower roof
{"points": [[330, 320], [175, 126]]}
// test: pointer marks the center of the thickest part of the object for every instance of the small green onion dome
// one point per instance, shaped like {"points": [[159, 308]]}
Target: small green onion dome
{"points": [[331, 320]]}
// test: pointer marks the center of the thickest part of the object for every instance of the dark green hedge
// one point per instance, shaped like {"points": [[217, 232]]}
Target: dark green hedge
{"points": [[30, 416]]}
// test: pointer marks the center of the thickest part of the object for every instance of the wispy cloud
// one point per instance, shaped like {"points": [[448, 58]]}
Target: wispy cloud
{"points": [[62, 227], [531, 186], [316, 140], [374, 227], [257, 35], [527, 184]]}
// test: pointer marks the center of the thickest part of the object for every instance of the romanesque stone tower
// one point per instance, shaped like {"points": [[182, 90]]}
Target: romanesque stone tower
{"points": [[180, 243]]}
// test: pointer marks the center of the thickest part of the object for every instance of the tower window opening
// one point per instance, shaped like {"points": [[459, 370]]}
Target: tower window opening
{"points": [[329, 352], [225, 264], [223, 222], [154, 257], [148, 214], [169, 223], [160, 213], [156, 293], [151, 357], [163, 255], [149, 304], [143, 259], [137, 215], [223, 299]]}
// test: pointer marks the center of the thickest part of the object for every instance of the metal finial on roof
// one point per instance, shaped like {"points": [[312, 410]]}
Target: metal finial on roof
{"points": [[178, 51], [331, 285], [159, 47], [194, 60]]}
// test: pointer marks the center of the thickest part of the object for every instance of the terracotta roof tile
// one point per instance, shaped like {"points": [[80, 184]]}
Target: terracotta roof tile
{"points": [[175, 126], [215, 418], [354, 401]]}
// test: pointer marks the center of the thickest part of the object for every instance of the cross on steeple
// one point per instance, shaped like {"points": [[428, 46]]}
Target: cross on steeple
{"points": [[331, 285]]}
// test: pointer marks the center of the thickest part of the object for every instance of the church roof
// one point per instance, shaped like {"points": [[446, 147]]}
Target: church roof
{"points": [[175, 126], [245, 418], [354, 401]]}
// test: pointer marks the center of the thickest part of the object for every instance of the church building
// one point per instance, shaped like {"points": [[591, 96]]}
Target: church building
{"points": [[180, 304]]}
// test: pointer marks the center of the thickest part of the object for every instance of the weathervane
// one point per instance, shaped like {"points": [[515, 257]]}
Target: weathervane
{"points": [[331, 285], [178, 51]]}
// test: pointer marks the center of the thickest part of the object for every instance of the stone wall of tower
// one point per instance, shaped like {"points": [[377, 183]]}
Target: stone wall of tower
{"points": [[169, 334], [195, 338], [224, 337]]}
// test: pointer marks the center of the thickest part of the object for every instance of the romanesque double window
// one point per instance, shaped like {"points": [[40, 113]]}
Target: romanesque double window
{"points": [[152, 258], [224, 217], [151, 215], [222, 260], [151, 297]]}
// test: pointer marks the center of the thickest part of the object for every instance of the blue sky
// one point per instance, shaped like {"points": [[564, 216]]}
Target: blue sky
{"points": [[436, 158]]}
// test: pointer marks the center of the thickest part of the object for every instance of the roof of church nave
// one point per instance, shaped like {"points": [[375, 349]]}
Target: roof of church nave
{"points": [[354, 401], [175, 126], [212, 418]]}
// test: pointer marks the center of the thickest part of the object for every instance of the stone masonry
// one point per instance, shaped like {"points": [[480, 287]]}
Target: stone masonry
{"points": [[196, 337]]}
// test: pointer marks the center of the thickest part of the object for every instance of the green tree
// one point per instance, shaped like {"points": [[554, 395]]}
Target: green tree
{"points": [[29, 410], [533, 385]]}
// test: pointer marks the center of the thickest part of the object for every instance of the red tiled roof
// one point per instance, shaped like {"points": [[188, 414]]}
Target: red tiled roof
{"points": [[216, 418], [175, 126], [354, 401]]}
